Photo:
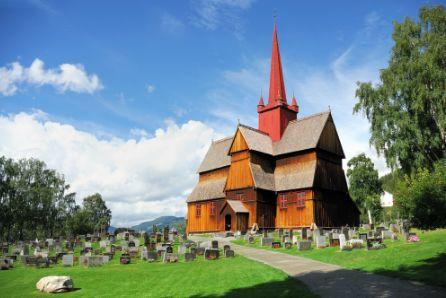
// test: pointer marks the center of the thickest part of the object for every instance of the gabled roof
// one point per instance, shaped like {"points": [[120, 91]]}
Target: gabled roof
{"points": [[236, 206], [217, 156], [208, 190], [301, 134], [256, 139]]}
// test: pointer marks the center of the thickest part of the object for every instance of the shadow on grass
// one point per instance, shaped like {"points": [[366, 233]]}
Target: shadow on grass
{"points": [[289, 287], [431, 271]]}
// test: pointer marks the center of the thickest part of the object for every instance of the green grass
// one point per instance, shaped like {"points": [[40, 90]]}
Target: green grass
{"points": [[424, 261], [233, 277]]}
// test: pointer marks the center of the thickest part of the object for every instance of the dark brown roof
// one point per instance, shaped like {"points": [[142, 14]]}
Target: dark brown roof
{"points": [[257, 140], [217, 156]]}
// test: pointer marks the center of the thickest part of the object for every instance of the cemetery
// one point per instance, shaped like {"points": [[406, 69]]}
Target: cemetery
{"points": [[134, 264], [415, 255]]}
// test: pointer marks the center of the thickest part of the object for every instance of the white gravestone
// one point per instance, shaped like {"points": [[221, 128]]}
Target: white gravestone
{"points": [[342, 241], [67, 260]]}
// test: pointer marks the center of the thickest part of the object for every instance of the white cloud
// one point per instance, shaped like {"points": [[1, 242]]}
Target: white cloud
{"points": [[142, 177], [151, 88], [211, 14], [68, 77]]}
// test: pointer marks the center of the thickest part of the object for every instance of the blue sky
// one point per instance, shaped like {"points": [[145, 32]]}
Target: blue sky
{"points": [[157, 80]]}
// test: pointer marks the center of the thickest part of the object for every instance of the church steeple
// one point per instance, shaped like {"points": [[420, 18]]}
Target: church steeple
{"points": [[276, 83], [274, 117]]}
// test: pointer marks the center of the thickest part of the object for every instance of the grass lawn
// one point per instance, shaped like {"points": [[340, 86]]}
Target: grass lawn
{"points": [[233, 277], [424, 261]]}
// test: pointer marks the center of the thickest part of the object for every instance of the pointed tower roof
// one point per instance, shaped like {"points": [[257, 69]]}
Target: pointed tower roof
{"points": [[276, 82]]}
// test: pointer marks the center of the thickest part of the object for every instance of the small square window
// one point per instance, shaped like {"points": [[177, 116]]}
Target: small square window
{"points": [[300, 199], [283, 201]]}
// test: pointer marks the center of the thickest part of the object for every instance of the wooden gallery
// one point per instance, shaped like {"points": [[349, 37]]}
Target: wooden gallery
{"points": [[285, 174]]}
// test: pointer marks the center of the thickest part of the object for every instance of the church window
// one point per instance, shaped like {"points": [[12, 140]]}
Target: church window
{"points": [[241, 196], [282, 201], [198, 210], [212, 213], [300, 200]]}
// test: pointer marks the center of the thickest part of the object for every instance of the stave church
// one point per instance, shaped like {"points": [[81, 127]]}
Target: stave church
{"points": [[286, 173]]}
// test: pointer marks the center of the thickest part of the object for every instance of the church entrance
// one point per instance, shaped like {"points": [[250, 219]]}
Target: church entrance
{"points": [[228, 222]]}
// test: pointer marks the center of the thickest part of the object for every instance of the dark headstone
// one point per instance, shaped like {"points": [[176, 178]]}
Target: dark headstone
{"points": [[266, 241], [193, 250], [226, 247], [189, 256], [304, 234], [229, 253], [250, 239], [151, 256], [214, 244], [276, 245], [211, 254], [363, 236], [200, 251], [124, 259], [288, 245], [169, 249]]}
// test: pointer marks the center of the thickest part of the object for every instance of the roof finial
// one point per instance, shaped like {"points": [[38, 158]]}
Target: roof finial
{"points": [[329, 108], [275, 15], [238, 121]]}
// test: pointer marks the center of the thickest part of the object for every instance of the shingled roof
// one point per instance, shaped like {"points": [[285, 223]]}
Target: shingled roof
{"points": [[301, 134], [217, 156], [256, 139], [208, 190]]}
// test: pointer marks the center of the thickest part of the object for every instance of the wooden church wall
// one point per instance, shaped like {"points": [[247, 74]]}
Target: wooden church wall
{"points": [[239, 143], [240, 175], [334, 209], [294, 216], [249, 197], [329, 139], [266, 209], [205, 222]]}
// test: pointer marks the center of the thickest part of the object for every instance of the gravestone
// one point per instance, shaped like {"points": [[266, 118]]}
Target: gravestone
{"points": [[152, 256], [226, 247], [105, 259], [342, 242], [276, 245], [304, 245], [288, 245], [94, 261], [68, 260], [211, 254], [363, 236], [214, 244], [321, 241], [193, 250], [251, 240], [266, 241], [304, 234], [200, 251], [386, 234], [280, 233], [181, 249], [344, 231], [229, 253], [170, 258], [124, 259], [189, 256]]}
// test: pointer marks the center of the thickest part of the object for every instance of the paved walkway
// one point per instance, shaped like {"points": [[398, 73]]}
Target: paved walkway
{"points": [[328, 280]]}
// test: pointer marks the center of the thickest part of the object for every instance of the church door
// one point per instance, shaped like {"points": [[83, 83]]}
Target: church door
{"points": [[228, 222]]}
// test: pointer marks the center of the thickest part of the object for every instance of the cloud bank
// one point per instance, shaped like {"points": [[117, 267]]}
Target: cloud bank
{"points": [[68, 77], [140, 178]]}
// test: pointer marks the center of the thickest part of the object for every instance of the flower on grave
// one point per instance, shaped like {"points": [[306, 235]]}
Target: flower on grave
{"points": [[413, 238]]}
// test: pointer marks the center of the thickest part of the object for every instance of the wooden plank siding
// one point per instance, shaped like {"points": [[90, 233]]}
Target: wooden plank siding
{"points": [[293, 216], [240, 175], [238, 144], [329, 139], [205, 222]]}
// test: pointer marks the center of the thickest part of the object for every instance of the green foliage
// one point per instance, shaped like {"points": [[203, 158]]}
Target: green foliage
{"points": [[424, 261], [421, 197], [35, 202], [365, 186], [99, 216], [407, 109]]}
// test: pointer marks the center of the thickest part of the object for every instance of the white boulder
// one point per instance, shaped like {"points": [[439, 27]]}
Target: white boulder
{"points": [[55, 284]]}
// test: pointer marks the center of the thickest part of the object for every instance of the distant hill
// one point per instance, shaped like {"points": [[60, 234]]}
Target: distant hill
{"points": [[111, 229], [160, 221]]}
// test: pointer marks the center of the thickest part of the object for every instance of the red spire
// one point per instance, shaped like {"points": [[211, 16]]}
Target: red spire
{"points": [[276, 83], [294, 105]]}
